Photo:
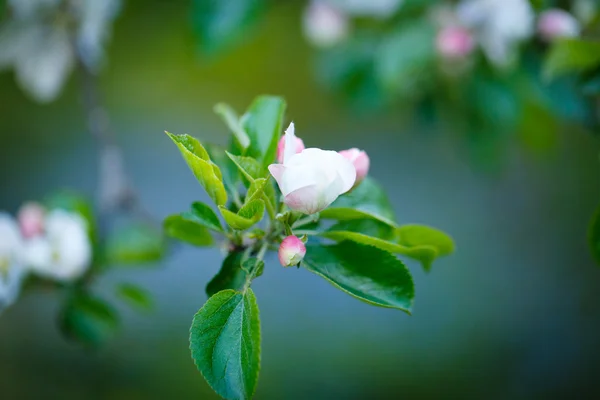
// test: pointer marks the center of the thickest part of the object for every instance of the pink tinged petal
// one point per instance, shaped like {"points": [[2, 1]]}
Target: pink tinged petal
{"points": [[361, 162], [291, 251], [299, 146], [276, 171], [31, 219], [290, 143]]}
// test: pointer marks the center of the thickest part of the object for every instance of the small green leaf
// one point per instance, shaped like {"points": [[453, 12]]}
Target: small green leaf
{"points": [[230, 276], [135, 243], [203, 215], [569, 55], [421, 235], [135, 296], [178, 227], [263, 123], [225, 343], [88, 319], [230, 173], [233, 123], [256, 189], [365, 272], [594, 236], [247, 216], [368, 200], [207, 173], [248, 166]]}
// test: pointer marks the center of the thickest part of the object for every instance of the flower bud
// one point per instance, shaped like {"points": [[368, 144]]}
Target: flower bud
{"points": [[291, 251], [454, 42], [324, 25], [298, 145], [31, 219], [361, 163], [557, 23]]}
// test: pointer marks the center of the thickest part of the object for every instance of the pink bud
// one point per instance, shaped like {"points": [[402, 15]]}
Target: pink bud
{"points": [[291, 251], [454, 42], [556, 23], [31, 219], [281, 148], [361, 163]]}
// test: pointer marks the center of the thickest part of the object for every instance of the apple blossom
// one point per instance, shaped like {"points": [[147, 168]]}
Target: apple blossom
{"points": [[312, 179], [298, 145], [454, 42], [557, 23], [31, 219], [324, 25], [498, 25], [65, 252], [291, 251], [361, 163], [12, 272]]}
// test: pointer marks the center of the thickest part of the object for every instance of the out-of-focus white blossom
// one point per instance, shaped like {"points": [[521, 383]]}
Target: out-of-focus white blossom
{"points": [[35, 41], [499, 25], [325, 25], [12, 272], [557, 23], [454, 42], [64, 253], [31, 219], [369, 8]]}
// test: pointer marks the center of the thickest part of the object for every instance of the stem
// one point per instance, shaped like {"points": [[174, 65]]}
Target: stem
{"points": [[269, 206], [306, 232], [263, 249]]}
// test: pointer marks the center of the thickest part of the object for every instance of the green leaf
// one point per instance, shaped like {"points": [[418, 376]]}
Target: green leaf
{"points": [[207, 172], [229, 170], [569, 55], [594, 236], [178, 227], [225, 343], [230, 276], [135, 243], [88, 319], [256, 189], [367, 273], [203, 215], [135, 296], [368, 200], [421, 235], [232, 121], [221, 23], [263, 123], [248, 166], [424, 254], [247, 216]]}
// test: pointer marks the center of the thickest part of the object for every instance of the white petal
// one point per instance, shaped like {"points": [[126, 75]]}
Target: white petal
{"points": [[290, 143]]}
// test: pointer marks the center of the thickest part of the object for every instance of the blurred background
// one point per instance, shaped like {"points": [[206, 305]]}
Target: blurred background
{"points": [[514, 313]]}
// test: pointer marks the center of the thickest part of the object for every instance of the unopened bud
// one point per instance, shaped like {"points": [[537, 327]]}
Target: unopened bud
{"points": [[454, 42], [361, 163], [31, 219], [291, 251]]}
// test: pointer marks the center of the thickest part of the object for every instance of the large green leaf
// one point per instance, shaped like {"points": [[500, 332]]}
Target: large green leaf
{"points": [[207, 172], [365, 272], [247, 216], [225, 343], [233, 123], [178, 227], [203, 215], [570, 55], [263, 123], [368, 200], [221, 23], [594, 236]]}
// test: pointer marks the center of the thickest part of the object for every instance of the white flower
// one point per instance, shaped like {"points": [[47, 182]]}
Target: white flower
{"points": [[499, 25], [556, 23], [369, 8], [65, 252], [311, 180], [11, 270], [324, 25]]}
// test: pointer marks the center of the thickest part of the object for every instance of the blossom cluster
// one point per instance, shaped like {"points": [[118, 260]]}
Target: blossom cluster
{"points": [[497, 27], [311, 179], [51, 244]]}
